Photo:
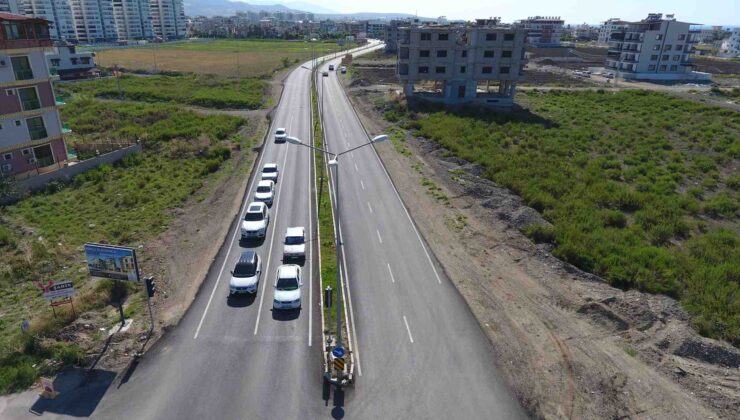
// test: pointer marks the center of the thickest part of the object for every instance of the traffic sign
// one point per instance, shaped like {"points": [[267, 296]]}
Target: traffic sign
{"points": [[339, 364], [338, 352]]}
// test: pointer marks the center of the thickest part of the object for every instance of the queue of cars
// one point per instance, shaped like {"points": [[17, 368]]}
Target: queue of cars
{"points": [[245, 276]]}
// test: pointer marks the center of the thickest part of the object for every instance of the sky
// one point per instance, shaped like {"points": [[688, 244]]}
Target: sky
{"points": [[707, 12]]}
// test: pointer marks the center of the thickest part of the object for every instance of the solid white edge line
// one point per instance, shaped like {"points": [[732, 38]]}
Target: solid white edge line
{"points": [[309, 260], [379, 238], [238, 228], [393, 279], [408, 330], [272, 242]]}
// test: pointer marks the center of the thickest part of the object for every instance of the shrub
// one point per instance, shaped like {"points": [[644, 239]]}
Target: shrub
{"points": [[540, 233]]}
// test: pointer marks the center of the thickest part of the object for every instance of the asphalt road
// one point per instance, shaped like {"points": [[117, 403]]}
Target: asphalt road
{"points": [[421, 352]]}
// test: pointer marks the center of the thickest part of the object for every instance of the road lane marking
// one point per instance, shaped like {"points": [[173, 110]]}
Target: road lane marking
{"points": [[233, 237], [393, 279], [272, 242], [362, 184], [379, 238], [370, 207], [356, 170], [408, 330], [308, 255]]}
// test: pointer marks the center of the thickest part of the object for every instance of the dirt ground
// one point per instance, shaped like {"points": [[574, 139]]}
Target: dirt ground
{"points": [[569, 345]]}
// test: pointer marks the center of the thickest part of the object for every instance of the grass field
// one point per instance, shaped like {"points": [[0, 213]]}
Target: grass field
{"points": [[642, 188], [199, 90], [240, 58], [125, 203]]}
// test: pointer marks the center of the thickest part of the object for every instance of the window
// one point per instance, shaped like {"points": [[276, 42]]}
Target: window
{"points": [[10, 92], [463, 69], [656, 47], [440, 69], [426, 36], [667, 47], [682, 37], [662, 67], [658, 37], [22, 68], [508, 37], [26, 152], [29, 98], [36, 128], [490, 37], [17, 123], [676, 57], [8, 156], [679, 47], [443, 37], [464, 53], [423, 70], [504, 70], [55, 62], [441, 53], [488, 54], [665, 57], [674, 67], [73, 60], [85, 60], [651, 67], [487, 70], [423, 53], [654, 57]]}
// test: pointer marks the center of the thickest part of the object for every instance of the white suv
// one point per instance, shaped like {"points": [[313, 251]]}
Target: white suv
{"points": [[280, 135], [255, 221], [270, 171], [288, 285], [295, 243], [265, 192]]}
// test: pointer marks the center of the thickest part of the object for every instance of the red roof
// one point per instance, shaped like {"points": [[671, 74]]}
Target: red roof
{"points": [[13, 16]]}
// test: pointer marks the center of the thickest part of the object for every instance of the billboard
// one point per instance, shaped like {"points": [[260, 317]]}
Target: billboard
{"points": [[112, 262], [59, 290]]}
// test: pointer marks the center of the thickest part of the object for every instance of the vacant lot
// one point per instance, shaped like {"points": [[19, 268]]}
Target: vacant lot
{"points": [[199, 90], [126, 203], [641, 188], [240, 58]]}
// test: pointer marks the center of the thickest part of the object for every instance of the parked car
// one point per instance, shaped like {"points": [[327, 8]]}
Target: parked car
{"points": [[287, 294], [265, 192], [343, 70], [255, 221], [270, 171], [280, 135], [295, 243], [331, 67], [245, 276]]}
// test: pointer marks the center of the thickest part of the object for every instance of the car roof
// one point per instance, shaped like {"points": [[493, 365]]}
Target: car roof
{"points": [[270, 165], [280, 129], [287, 271], [247, 257], [266, 183], [256, 206], [294, 231]]}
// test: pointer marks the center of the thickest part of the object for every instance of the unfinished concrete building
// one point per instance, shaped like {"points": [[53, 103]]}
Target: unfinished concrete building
{"points": [[456, 64]]}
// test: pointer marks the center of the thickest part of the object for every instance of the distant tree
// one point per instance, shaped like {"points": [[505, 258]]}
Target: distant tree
{"points": [[8, 187]]}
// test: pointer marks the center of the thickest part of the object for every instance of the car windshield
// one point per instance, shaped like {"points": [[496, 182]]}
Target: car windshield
{"points": [[269, 169], [263, 189], [253, 217], [244, 270], [293, 240], [280, 132], [287, 284]]}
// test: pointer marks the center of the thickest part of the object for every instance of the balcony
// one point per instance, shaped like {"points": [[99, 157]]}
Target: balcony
{"points": [[31, 104], [14, 44], [26, 74]]}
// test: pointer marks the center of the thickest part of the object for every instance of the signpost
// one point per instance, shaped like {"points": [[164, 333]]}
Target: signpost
{"points": [[58, 293], [338, 354]]}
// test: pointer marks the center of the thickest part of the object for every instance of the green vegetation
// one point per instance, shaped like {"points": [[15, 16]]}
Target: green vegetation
{"points": [[733, 93], [639, 187], [204, 91], [125, 203], [251, 45]]}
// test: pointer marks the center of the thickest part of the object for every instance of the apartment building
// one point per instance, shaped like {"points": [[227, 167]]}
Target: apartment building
{"points": [[57, 12], [377, 29], [393, 33], [609, 26], [473, 63], [133, 20], [654, 48], [31, 132], [94, 21], [730, 47], [168, 19], [9, 6], [71, 64], [542, 31]]}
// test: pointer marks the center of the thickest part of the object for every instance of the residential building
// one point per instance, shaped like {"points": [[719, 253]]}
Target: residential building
{"points": [[133, 20], [730, 47], [71, 64], [542, 31], [168, 19], [57, 12], [609, 26], [94, 21], [31, 132], [393, 33], [584, 32], [9, 6], [476, 63], [654, 48], [377, 29]]}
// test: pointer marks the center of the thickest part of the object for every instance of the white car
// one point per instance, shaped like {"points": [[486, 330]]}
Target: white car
{"points": [[255, 221], [265, 192], [343, 69], [288, 285], [245, 276], [270, 171], [280, 135], [295, 243]]}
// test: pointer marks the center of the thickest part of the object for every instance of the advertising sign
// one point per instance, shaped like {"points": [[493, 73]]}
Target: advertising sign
{"points": [[112, 262], [59, 290]]}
